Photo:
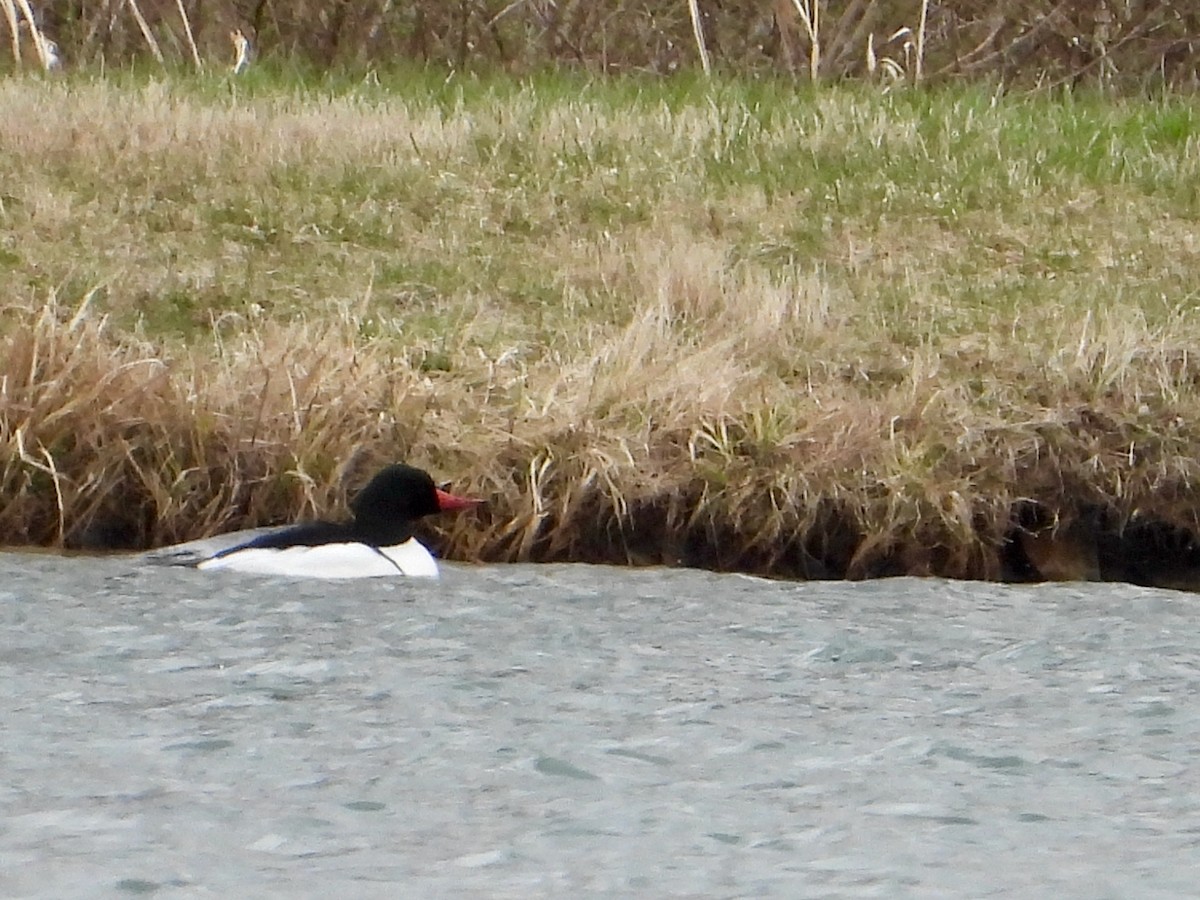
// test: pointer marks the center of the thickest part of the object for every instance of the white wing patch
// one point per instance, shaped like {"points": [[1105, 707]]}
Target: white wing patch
{"points": [[331, 561]]}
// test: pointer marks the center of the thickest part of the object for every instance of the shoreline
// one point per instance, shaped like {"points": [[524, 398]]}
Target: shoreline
{"points": [[704, 503]]}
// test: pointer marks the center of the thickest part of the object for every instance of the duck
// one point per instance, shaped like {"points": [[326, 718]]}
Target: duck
{"points": [[378, 540]]}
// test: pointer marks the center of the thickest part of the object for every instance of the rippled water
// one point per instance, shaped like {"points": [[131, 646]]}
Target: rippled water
{"points": [[579, 731]]}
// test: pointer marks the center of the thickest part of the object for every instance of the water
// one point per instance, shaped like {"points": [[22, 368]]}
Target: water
{"points": [[580, 731]]}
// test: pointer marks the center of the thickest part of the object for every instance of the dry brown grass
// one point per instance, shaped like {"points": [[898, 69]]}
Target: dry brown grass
{"points": [[635, 330]]}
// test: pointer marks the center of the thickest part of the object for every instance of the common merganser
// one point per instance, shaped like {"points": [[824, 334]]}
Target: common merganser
{"points": [[378, 541]]}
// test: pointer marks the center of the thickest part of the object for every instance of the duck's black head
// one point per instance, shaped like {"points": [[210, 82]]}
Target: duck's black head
{"points": [[395, 498]]}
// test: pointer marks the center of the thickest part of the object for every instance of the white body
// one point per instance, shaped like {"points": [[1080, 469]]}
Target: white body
{"points": [[348, 560]]}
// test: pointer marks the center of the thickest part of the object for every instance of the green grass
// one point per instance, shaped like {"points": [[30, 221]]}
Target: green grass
{"points": [[643, 314]]}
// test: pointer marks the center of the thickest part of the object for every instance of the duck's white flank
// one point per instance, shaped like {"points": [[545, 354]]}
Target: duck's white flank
{"points": [[351, 560]]}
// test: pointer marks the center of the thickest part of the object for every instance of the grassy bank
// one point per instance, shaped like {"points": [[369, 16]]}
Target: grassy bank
{"points": [[736, 325]]}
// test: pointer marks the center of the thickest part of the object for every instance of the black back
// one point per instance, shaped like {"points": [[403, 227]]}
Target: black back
{"points": [[306, 534]]}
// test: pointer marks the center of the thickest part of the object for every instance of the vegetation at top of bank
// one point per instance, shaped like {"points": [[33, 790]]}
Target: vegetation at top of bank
{"points": [[727, 322], [1101, 43]]}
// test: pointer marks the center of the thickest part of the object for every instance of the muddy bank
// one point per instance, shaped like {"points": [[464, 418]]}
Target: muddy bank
{"points": [[1091, 544]]}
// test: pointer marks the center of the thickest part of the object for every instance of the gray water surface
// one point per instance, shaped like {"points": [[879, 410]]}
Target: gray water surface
{"points": [[566, 731]]}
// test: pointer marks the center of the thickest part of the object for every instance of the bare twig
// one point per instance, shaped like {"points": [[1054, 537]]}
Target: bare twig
{"points": [[10, 13], [50, 469], [187, 28], [810, 14], [146, 33], [698, 30], [504, 12], [971, 64], [920, 64], [39, 40]]}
